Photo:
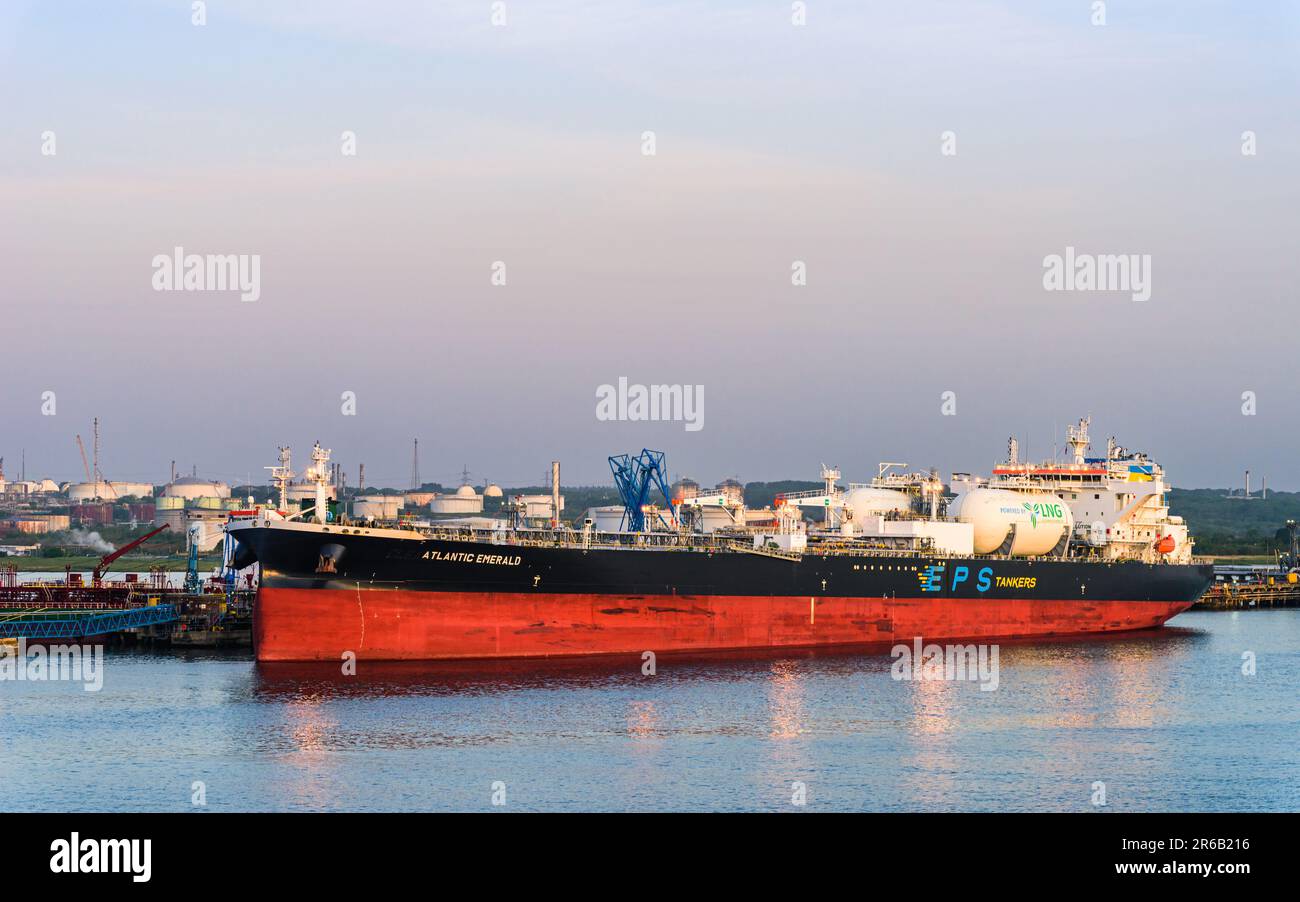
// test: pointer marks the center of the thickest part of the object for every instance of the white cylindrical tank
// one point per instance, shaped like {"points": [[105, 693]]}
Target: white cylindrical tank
{"points": [[89, 491], [608, 518], [108, 491], [872, 502], [1040, 519], [191, 487], [377, 507], [463, 501], [305, 491]]}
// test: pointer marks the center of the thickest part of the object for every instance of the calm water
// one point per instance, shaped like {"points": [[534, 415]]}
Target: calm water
{"points": [[1166, 720]]}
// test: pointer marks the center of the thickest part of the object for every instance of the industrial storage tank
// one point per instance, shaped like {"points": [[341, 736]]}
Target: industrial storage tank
{"points": [[377, 507], [867, 501], [606, 518], [305, 492], [107, 491], [464, 501], [129, 489], [191, 487], [1040, 519]]}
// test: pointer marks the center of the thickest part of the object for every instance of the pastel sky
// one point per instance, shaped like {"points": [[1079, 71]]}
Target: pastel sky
{"points": [[523, 144]]}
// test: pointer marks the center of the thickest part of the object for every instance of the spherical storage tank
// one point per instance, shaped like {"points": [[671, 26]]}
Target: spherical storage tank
{"points": [[870, 502], [1040, 519]]}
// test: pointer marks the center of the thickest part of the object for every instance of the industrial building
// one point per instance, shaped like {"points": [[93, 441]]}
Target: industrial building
{"points": [[36, 523], [195, 507], [24, 487]]}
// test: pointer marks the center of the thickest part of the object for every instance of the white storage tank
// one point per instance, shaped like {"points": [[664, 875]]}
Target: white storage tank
{"points": [[1040, 518], [607, 518], [377, 507], [463, 501], [866, 501], [107, 491], [305, 492], [191, 487]]}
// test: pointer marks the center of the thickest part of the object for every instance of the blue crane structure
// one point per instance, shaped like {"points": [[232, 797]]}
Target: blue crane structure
{"points": [[192, 584], [634, 477]]}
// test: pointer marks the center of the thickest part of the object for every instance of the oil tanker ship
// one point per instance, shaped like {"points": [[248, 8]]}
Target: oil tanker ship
{"points": [[1065, 548]]}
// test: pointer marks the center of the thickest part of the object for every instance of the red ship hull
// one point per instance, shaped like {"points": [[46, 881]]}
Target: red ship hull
{"points": [[317, 624]]}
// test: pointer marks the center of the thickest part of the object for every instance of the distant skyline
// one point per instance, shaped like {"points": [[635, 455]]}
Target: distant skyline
{"points": [[1169, 132]]}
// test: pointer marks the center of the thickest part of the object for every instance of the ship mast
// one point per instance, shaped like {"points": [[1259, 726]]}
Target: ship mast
{"points": [[280, 476], [1077, 438], [318, 474]]}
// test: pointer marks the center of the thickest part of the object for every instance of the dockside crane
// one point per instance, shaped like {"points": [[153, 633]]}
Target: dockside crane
{"points": [[106, 560]]}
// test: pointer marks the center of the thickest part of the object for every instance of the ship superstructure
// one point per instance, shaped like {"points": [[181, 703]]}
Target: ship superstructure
{"points": [[1118, 501]]}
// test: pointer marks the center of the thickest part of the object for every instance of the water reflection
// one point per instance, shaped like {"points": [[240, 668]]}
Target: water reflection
{"points": [[385, 679], [785, 700], [311, 734], [1074, 664], [729, 733]]}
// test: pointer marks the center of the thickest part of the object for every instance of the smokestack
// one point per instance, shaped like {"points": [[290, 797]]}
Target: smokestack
{"points": [[555, 494], [1247, 483]]}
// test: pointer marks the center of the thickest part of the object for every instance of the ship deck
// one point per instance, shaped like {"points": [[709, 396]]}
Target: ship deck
{"points": [[827, 545]]}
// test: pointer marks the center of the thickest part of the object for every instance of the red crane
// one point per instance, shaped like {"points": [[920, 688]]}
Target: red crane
{"points": [[114, 555]]}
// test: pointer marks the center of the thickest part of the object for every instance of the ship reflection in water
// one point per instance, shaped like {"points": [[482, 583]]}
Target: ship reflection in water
{"points": [[1165, 719]]}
